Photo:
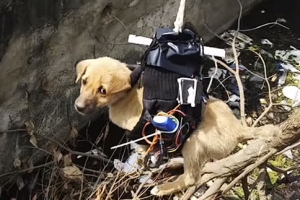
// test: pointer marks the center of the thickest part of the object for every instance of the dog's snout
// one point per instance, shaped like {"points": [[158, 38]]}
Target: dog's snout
{"points": [[80, 108]]}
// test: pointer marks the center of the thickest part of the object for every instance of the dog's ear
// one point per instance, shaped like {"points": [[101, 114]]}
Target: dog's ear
{"points": [[122, 83], [81, 68]]}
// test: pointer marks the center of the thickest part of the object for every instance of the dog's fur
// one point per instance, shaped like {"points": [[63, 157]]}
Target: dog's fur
{"points": [[215, 138]]}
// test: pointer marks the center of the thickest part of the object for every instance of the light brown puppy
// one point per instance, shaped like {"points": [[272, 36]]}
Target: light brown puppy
{"points": [[106, 82]]}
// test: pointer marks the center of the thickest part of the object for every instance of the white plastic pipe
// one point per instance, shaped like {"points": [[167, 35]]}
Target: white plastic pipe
{"points": [[209, 51]]}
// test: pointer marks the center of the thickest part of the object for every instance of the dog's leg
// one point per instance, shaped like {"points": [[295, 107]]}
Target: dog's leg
{"points": [[193, 164], [184, 181]]}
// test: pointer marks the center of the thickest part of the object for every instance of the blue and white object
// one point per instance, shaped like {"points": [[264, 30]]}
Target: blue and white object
{"points": [[165, 124]]}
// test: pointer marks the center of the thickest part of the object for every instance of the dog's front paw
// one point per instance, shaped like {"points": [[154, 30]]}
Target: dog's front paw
{"points": [[159, 191], [155, 191]]}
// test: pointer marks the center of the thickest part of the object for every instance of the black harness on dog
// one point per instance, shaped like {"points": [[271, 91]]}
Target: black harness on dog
{"points": [[171, 78]]}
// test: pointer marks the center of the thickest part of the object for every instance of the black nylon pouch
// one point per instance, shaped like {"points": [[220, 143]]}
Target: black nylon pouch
{"points": [[170, 56]]}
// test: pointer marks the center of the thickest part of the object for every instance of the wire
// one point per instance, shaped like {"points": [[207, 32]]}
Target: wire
{"points": [[176, 140], [156, 134]]}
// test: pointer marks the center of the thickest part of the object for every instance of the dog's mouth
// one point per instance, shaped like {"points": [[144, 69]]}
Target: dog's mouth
{"points": [[83, 109]]}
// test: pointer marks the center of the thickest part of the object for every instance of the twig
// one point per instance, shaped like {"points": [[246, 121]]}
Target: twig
{"points": [[213, 190], [26, 170], [269, 89], [289, 148], [245, 187], [135, 196], [98, 157], [113, 184], [239, 83], [212, 77], [261, 182], [15, 130], [189, 193], [267, 24], [249, 169], [282, 171], [121, 23], [237, 68]]}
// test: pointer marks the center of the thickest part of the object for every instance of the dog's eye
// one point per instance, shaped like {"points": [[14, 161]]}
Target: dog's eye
{"points": [[84, 81], [102, 90]]}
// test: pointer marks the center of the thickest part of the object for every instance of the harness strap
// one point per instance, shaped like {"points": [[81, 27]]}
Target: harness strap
{"points": [[136, 74], [136, 132]]}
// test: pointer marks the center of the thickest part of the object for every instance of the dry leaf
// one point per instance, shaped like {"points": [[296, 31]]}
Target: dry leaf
{"points": [[274, 78], [67, 160], [263, 101], [33, 141], [57, 155], [34, 197], [30, 166], [249, 121], [73, 133], [20, 182], [72, 172], [30, 127], [17, 162], [73, 136]]}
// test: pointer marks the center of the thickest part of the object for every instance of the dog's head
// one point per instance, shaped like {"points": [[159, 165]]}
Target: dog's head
{"points": [[103, 82]]}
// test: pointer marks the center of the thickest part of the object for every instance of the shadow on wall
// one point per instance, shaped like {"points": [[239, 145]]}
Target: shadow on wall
{"points": [[22, 16]]}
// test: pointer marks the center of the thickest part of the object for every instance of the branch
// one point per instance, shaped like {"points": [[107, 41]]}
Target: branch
{"points": [[213, 190], [249, 169], [239, 83], [98, 157], [271, 140], [269, 90]]}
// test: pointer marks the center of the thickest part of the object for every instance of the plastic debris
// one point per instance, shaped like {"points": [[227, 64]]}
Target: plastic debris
{"points": [[229, 55], [234, 101], [296, 76], [289, 154], [289, 56], [281, 20], [145, 179], [241, 67], [289, 67], [282, 74], [129, 166], [241, 36], [287, 108], [292, 92], [257, 79], [241, 39], [283, 69], [263, 101], [267, 42], [95, 152], [221, 73], [264, 52]]}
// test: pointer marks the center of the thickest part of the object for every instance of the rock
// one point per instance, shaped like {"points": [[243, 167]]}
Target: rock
{"points": [[42, 40]]}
